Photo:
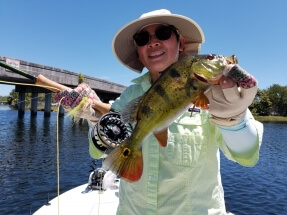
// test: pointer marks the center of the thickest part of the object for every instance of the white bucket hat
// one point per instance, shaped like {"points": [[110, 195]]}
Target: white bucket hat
{"points": [[124, 47]]}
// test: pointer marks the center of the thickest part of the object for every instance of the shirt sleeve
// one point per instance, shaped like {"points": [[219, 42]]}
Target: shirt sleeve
{"points": [[129, 94], [241, 142]]}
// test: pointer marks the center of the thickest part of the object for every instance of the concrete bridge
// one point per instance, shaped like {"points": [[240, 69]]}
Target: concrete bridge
{"points": [[105, 90]]}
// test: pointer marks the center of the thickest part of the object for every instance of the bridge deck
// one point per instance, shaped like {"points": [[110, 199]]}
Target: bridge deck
{"points": [[61, 76]]}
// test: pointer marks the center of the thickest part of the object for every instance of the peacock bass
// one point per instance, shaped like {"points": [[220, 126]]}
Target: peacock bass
{"points": [[179, 86]]}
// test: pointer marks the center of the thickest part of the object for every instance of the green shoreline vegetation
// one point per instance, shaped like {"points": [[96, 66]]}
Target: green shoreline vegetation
{"points": [[269, 105], [280, 119], [271, 119]]}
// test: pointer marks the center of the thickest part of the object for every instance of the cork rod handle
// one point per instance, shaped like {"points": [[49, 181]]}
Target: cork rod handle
{"points": [[49, 84]]}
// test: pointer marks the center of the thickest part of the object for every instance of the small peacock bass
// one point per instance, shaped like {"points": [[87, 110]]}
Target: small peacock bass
{"points": [[179, 86]]}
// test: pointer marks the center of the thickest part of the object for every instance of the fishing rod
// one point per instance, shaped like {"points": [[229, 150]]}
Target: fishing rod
{"points": [[39, 80], [107, 134]]}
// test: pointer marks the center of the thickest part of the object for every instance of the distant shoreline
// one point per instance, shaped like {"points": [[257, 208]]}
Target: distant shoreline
{"points": [[281, 119]]}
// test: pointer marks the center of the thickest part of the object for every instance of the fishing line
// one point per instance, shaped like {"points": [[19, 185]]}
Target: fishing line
{"points": [[34, 85], [58, 155], [57, 138], [58, 166], [57, 131]]}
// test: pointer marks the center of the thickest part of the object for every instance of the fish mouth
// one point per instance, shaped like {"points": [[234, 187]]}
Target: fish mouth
{"points": [[200, 78], [207, 80]]}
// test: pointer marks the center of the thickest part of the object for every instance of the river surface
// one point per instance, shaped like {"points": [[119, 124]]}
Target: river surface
{"points": [[28, 166]]}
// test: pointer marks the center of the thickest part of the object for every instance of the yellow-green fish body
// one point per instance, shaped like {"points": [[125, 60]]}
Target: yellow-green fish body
{"points": [[179, 86]]}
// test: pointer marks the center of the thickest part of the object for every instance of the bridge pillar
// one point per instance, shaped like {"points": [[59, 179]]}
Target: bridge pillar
{"points": [[34, 104], [61, 111], [47, 111], [21, 104]]}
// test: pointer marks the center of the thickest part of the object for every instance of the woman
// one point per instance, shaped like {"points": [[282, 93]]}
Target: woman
{"points": [[184, 177]]}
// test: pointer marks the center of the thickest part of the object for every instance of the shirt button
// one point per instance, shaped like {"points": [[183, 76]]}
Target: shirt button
{"points": [[151, 206], [151, 178]]}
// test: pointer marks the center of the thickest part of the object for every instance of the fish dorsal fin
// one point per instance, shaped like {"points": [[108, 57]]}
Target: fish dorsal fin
{"points": [[161, 137], [129, 113]]}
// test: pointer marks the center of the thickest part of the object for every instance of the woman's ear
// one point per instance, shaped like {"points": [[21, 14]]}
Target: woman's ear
{"points": [[181, 43]]}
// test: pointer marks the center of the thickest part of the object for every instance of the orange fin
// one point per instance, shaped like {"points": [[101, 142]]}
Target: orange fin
{"points": [[161, 137], [125, 162], [201, 101]]}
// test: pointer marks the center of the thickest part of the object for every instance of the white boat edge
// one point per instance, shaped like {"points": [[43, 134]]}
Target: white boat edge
{"points": [[77, 201]]}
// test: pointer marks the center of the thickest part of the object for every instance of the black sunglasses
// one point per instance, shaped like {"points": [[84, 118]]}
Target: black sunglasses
{"points": [[162, 33]]}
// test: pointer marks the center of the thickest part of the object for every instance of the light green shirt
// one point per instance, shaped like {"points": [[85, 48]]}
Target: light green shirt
{"points": [[184, 177]]}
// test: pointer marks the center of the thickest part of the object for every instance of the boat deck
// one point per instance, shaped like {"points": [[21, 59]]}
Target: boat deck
{"points": [[76, 201]]}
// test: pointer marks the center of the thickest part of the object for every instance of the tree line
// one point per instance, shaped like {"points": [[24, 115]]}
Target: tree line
{"points": [[272, 101], [13, 98]]}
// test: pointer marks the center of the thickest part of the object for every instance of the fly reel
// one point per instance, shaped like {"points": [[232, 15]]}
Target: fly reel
{"points": [[110, 132]]}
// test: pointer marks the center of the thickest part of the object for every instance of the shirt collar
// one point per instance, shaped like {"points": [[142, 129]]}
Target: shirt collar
{"points": [[144, 81]]}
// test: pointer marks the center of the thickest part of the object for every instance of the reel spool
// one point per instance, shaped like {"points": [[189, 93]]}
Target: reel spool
{"points": [[110, 132]]}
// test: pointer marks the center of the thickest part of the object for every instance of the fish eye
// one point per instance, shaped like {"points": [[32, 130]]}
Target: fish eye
{"points": [[126, 152], [210, 57]]}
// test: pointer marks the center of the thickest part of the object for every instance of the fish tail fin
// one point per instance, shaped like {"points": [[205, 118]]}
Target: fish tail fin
{"points": [[125, 162], [201, 101]]}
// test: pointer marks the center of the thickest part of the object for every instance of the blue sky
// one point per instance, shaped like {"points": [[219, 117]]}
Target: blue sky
{"points": [[77, 35]]}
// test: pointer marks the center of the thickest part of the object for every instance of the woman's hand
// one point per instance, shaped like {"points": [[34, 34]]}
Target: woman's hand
{"points": [[71, 98], [80, 102], [230, 98]]}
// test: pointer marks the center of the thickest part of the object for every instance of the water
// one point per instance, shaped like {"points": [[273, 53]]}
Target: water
{"points": [[263, 188], [28, 173], [28, 170]]}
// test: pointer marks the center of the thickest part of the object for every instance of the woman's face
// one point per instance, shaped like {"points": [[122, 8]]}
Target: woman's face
{"points": [[157, 54]]}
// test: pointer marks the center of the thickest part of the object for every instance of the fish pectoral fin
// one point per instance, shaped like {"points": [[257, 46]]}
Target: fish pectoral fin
{"points": [[161, 137], [201, 101], [125, 162], [129, 113]]}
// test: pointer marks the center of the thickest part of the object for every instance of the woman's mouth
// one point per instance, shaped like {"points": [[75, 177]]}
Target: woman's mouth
{"points": [[156, 54]]}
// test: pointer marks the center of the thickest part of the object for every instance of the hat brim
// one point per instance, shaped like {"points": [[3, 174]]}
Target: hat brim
{"points": [[124, 47]]}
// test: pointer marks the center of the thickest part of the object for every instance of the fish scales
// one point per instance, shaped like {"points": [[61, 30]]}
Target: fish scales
{"points": [[180, 85]]}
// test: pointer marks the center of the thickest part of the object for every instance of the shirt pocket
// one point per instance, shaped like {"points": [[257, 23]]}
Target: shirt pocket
{"points": [[188, 146]]}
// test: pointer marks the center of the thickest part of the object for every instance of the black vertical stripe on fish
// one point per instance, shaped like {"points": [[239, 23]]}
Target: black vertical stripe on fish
{"points": [[146, 110], [161, 92], [174, 73]]}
